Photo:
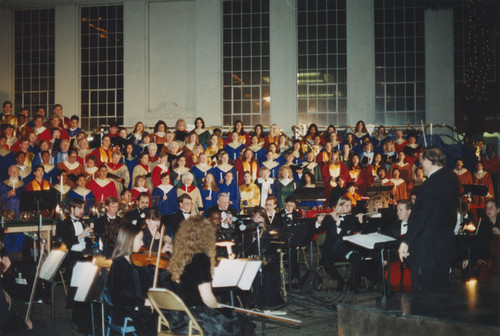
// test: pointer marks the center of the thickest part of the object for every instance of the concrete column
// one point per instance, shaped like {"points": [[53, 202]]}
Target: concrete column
{"points": [[439, 67], [208, 61], [135, 60], [67, 58], [283, 63], [360, 61], [7, 55]]}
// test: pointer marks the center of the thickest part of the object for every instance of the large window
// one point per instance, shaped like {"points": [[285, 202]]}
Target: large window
{"points": [[399, 62], [102, 65], [246, 80], [322, 62], [34, 59]]}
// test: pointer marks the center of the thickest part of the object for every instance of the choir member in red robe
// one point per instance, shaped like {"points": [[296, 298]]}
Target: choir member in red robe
{"points": [[103, 187], [38, 184]]}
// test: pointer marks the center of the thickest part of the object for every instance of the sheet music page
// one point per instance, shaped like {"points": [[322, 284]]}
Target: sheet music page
{"points": [[249, 273], [82, 278], [51, 264], [368, 240], [228, 273]]}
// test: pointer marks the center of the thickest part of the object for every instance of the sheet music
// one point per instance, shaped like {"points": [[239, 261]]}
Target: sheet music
{"points": [[249, 273], [51, 264], [83, 278], [235, 273], [368, 240]]}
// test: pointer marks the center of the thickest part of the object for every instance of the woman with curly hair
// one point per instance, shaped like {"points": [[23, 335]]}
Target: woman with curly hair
{"points": [[191, 268]]}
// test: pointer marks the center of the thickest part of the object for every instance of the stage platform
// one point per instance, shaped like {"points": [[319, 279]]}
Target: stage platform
{"points": [[468, 309]]}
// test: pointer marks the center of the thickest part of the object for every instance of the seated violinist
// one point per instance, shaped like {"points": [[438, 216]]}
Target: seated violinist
{"points": [[338, 224], [128, 284], [151, 231], [191, 268]]}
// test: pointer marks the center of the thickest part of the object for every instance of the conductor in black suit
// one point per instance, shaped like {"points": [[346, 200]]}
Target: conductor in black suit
{"points": [[429, 243]]}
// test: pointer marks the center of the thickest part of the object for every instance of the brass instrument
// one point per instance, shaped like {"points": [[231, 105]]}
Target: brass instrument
{"points": [[478, 146]]}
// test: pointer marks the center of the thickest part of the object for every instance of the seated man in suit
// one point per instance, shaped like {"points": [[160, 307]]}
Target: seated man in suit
{"points": [[135, 216], [227, 212], [172, 222], [106, 227], [400, 227]]}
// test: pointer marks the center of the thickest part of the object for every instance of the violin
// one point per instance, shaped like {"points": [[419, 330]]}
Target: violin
{"points": [[145, 257]]}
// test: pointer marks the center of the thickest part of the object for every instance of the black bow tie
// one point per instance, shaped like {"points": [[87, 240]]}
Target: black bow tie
{"points": [[186, 213]]}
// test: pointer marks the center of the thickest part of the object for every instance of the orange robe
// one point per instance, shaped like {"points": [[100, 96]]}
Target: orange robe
{"points": [[38, 186], [464, 177], [485, 179]]}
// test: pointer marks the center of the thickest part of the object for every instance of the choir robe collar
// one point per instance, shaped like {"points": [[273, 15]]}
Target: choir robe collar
{"points": [[181, 170], [64, 190], [255, 148], [145, 167], [71, 166], [91, 171], [82, 191], [13, 184], [309, 165], [397, 182], [286, 181], [165, 188], [460, 172], [114, 166], [200, 130], [225, 168], [188, 189], [102, 183], [48, 167], [270, 164], [39, 130], [141, 189], [399, 141], [203, 167], [360, 134], [235, 145], [413, 146], [402, 165], [480, 175]]}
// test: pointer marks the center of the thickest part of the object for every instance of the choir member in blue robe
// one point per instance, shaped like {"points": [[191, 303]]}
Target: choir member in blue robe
{"points": [[81, 192], [164, 196], [209, 191], [222, 168], [233, 148], [201, 169], [131, 160], [11, 189], [230, 187]]}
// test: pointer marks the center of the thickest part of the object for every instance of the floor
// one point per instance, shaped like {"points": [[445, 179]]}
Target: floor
{"points": [[315, 310]]}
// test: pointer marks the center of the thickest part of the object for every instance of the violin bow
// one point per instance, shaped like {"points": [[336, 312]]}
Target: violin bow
{"points": [[158, 257]]}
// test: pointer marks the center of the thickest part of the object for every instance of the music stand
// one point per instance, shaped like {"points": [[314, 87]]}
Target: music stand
{"points": [[38, 201], [475, 190]]}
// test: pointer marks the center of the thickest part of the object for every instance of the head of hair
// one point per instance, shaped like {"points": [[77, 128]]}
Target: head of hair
{"points": [[290, 199], [195, 235], [407, 203], [340, 203], [125, 240], [76, 203], [182, 197], [262, 213], [376, 198], [143, 195], [202, 122], [435, 156], [311, 176], [491, 200], [111, 200], [213, 210], [273, 199]]}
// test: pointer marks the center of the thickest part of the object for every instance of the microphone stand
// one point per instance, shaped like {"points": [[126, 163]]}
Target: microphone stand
{"points": [[261, 283]]}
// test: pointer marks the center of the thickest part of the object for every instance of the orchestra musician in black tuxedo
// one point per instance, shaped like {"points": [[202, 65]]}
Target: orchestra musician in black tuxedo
{"points": [[228, 213], [272, 212], [137, 215], [287, 223], [107, 226], [173, 221], [75, 234], [338, 224], [399, 227], [429, 244], [338, 191]]}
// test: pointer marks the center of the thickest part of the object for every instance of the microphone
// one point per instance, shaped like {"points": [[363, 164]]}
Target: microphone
{"points": [[243, 227]]}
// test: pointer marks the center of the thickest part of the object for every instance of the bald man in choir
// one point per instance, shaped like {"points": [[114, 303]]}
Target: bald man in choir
{"points": [[38, 183], [102, 187]]}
